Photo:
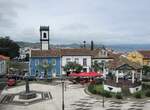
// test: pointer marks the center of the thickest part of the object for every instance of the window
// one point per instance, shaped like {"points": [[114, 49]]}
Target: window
{"points": [[44, 35], [68, 60], [36, 62], [53, 61], [84, 62], [53, 70], [76, 60], [44, 61]]}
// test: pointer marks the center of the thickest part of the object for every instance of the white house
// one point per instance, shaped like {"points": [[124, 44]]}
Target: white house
{"points": [[101, 55], [23, 52], [3, 65], [81, 56]]}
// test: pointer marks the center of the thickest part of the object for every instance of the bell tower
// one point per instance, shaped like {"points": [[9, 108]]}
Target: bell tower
{"points": [[44, 37]]}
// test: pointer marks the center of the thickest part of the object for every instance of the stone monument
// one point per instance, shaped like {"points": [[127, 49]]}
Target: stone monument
{"points": [[27, 94]]}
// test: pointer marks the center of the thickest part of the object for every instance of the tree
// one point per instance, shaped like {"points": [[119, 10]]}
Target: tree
{"points": [[27, 57], [97, 66], [45, 67], [146, 70], [72, 66], [8, 47]]}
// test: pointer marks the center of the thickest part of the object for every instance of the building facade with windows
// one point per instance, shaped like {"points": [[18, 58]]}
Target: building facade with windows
{"points": [[141, 56], [45, 63], [3, 65], [81, 56]]}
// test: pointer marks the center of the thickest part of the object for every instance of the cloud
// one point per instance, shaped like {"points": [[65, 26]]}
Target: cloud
{"points": [[7, 13], [104, 21]]}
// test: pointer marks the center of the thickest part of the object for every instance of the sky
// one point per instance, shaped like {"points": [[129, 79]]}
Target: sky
{"points": [[72, 21]]}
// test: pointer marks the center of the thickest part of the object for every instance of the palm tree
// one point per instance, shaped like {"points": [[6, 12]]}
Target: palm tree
{"points": [[45, 67]]}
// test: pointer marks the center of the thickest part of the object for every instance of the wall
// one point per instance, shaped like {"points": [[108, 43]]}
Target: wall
{"points": [[146, 62], [73, 59], [114, 89], [135, 57], [135, 89], [34, 61], [2, 67]]}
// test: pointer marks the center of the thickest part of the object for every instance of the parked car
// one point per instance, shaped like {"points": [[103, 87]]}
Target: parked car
{"points": [[11, 82]]}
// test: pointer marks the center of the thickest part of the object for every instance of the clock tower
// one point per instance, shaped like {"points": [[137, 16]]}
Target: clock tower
{"points": [[44, 37]]}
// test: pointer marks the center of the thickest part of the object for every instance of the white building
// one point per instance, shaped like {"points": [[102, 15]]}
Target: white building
{"points": [[3, 65], [23, 52], [81, 56]]}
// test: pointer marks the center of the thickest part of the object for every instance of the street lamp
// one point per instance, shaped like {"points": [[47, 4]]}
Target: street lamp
{"points": [[103, 94], [103, 68], [63, 105]]}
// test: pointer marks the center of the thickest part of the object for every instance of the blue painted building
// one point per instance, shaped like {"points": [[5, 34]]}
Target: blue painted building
{"points": [[45, 61]]}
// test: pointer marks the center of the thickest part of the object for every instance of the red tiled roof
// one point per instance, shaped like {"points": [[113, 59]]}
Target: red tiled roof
{"points": [[2, 57], [67, 52], [45, 53], [76, 52], [122, 61], [145, 53], [114, 55]]}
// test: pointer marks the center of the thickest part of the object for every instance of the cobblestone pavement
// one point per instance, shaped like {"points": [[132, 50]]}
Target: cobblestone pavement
{"points": [[75, 99]]}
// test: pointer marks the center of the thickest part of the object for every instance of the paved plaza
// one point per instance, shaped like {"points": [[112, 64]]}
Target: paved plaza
{"points": [[75, 99]]}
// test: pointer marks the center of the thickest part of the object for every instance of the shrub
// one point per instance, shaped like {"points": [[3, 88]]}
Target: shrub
{"points": [[145, 86], [138, 95], [99, 89], [92, 89], [147, 93], [119, 96], [106, 94]]}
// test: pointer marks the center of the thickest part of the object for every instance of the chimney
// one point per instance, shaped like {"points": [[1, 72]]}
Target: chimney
{"points": [[92, 45]]}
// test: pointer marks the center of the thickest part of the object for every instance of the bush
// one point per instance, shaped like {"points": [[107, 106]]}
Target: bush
{"points": [[147, 93], [106, 94], [92, 89], [95, 89], [138, 95], [119, 96], [145, 86]]}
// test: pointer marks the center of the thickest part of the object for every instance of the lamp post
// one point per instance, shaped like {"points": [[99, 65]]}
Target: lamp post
{"points": [[63, 105], [103, 94], [103, 67]]}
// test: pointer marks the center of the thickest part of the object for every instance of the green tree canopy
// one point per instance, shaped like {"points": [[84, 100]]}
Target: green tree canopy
{"points": [[45, 67], [146, 70], [97, 66], [73, 66], [8, 47]]}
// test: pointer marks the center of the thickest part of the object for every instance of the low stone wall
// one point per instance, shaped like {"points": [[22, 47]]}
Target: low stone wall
{"points": [[112, 88], [135, 89]]}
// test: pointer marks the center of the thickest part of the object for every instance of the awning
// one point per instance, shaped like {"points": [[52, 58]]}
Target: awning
{"points": [[86, 74]]}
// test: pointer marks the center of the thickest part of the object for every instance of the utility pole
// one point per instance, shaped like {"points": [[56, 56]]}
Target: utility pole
{"points": [[103, 94], [103, 66], [63, 105]]}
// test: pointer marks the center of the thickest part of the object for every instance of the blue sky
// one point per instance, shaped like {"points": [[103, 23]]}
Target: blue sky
{"points": [[72, 21]]}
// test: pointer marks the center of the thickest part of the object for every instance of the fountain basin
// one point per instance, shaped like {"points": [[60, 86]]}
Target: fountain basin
{"points": [[27, 95]]}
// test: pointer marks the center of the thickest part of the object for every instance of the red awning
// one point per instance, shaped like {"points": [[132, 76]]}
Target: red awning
{"points": [[86, 74], [73, 74]]}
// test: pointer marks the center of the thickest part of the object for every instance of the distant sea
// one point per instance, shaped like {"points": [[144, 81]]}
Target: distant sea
{"points": [[129, 47]]}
